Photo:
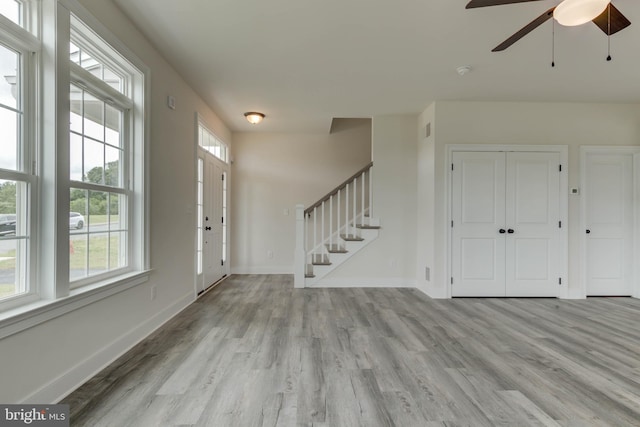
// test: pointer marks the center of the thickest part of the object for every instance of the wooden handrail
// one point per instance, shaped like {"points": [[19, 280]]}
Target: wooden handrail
{"points": [[338, 188]]}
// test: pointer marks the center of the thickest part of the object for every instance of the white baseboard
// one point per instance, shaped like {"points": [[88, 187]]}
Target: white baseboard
{"points": [[433, 293], [60, 387], [266, 269], [365, 282]]}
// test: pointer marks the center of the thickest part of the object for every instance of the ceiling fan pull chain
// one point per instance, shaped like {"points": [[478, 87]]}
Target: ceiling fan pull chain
{"points": [[609, 32], [553, 43]]}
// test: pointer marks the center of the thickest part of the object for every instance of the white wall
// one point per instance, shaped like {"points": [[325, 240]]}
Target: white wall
{"points": [[523, 123], [390, 260], [274, 172], [425, 197], [44, 363]]}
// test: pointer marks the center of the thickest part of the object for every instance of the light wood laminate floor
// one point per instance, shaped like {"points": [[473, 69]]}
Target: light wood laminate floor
{"points": [[256, 352]]}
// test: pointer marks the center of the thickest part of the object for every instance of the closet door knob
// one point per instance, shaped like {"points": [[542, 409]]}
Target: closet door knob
{"points": [[502, 231], [510, 231], [588, 231]]}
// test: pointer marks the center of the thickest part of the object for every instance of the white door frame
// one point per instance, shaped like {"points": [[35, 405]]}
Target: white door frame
{"points": [[563, 150], [203, 154], [602, 149], [199, 153]]}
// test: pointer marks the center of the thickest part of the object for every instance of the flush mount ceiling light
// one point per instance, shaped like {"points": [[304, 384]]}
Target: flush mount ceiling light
{"points": [[254, 117], [577, 12]]}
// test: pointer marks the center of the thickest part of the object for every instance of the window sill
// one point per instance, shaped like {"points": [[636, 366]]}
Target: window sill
{"points": [[30, 315]]}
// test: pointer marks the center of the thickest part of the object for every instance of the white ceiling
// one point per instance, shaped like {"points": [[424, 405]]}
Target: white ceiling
{"points": [[303, 62]]}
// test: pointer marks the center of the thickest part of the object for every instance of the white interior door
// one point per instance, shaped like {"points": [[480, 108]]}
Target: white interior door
{"points": [[609, 224], [532, 220], [478, 206], [505, 235]]}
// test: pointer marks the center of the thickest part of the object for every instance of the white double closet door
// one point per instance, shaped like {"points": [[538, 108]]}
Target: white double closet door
{"points": [[505, 228]]}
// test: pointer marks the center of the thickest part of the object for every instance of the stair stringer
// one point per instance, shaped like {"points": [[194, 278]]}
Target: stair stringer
{"points": [[337, 259]]}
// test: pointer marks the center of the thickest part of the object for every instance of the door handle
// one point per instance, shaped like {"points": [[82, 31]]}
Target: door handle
{"points": [[502, 231], [207, 228], [588, 231], [510, 231]]}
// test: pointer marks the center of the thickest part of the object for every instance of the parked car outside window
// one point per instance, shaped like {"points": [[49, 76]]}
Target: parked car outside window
{"points": [[76, 220], [7, 224]]}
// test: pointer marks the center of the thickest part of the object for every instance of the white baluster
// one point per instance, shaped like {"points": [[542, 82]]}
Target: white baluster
{"points": [[300, 256], [315, 232], [330, 222], [346, 211], [364, 174], [370, 194], [322, 240], [355, 202], [339, 213]]}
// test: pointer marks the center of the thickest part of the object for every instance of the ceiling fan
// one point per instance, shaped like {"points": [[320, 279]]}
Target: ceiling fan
{"points": [[569, 13]]}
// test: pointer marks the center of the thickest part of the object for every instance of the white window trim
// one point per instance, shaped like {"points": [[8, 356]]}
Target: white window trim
{"points": [[52, 303]]}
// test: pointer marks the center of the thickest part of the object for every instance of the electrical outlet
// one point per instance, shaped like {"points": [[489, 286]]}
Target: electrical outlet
{"points": [[153, 292], [270, 254]]}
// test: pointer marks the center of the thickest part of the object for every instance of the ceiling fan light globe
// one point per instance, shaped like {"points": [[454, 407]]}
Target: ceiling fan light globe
{"points": [[577, 12]]}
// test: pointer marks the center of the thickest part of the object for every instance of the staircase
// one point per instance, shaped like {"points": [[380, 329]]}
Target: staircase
{"points": [[334, 228]]}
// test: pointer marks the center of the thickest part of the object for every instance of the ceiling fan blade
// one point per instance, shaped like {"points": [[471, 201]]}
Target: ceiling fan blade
{"points": [[525, 30], [484, 3], [618, 20]]}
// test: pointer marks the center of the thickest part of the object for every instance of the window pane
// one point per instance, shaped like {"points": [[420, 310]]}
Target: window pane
{"points": [[77, 210], [111, 78], [75, 157], [101, 244], [10, 128], [113, 126], [12, 267], [93, 161], [13, 238], [78, 256], [76, 109], [11, 9], [12, 211], [87, 62], [117, 250], [74, 53], [98, 211], [93, 117], [117, 216], [9, 77], [112, 170], [98, 250]]}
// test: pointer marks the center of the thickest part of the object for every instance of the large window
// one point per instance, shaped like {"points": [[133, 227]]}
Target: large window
{"points": [[76, 172], [18, 61], [101, 147]]}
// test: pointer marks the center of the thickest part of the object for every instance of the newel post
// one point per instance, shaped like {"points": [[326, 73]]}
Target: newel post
{"points": [[300, 255]]}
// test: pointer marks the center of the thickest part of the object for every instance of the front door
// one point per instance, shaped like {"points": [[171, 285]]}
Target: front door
{"points": [[211, 218]]}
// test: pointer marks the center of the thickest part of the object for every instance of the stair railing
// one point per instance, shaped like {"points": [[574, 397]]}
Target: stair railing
{"points": [[323, 226]]}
